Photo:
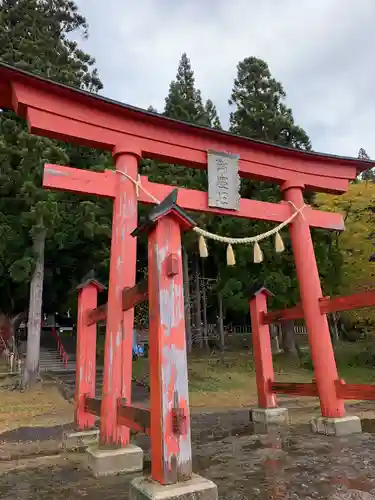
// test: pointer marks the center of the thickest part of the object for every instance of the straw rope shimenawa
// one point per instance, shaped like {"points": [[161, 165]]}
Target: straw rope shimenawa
{"points": [[203, 234]]}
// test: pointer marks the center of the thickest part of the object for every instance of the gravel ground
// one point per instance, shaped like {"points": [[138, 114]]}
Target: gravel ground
{"points": [[284, 463]]}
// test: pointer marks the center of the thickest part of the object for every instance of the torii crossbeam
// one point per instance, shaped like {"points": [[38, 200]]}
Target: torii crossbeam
{"points": [[60, 112]]}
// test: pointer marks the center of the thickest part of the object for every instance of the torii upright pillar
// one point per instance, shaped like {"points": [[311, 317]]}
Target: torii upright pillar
{"points": [[85, 433], [171, 454], [119, 330], [267, 411], [115, 454], [333, 420]]}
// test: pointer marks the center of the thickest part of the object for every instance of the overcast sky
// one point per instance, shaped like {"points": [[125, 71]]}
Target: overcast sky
{"points": [[323, 52]]}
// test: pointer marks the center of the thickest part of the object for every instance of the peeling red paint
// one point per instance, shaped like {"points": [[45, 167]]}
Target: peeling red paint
{"points": [[118, 346], [85, 357], [171, 450], [262, 351]]}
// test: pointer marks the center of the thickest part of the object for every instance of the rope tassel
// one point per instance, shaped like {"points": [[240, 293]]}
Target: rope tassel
{"points": [[258, 254], [279, 244], [231, 259], [203, 251]]}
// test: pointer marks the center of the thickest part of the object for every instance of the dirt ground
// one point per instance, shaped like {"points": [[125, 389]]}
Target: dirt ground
{"points": [[246, 463], [287, 463], [43, 405]]}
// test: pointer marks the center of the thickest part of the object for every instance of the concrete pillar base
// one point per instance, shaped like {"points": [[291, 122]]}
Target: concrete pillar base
{"points": [[80, 440], [107, 462], [336, 426], [269, 415], [197, 488]]}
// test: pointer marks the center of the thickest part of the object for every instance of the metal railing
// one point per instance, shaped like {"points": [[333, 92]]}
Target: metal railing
{"points": [[60, 347]]}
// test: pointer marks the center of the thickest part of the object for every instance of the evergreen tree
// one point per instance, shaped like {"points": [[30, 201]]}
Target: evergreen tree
{"points": [[184, 101], [368, 175], [260, 109], [260, 113], [34, 37], [211, 113]]}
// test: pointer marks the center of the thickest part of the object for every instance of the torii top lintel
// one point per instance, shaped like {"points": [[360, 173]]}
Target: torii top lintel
{"points": [[61, 112]]}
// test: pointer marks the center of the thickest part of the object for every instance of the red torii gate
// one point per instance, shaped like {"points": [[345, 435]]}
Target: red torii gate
{"points": [[60, 112]]}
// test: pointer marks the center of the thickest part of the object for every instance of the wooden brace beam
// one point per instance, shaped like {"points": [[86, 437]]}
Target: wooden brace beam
{"points": [[295, 389], [104, 184], [130, 298], [96, 315], [93, 405], [134, 295], [347, 303], [360, 392], [137, 419], [327, 305], [355, 391]]}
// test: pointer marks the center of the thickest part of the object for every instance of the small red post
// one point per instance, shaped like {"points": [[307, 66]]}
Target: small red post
{"points": [[262, 351], [170, 415], [117, 376], [85, 353], [310, 290]]}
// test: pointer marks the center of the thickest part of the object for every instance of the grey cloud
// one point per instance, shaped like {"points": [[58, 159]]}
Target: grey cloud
{"points": [[321, 50]]}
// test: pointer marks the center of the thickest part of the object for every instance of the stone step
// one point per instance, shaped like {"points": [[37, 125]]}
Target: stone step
{"points": [[51, 361]]}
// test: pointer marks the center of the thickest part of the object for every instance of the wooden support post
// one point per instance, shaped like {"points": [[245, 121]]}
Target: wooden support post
{"points": [[310, 290], [170, 415], [86, 354], [171, 448], [119, 332], [262, 352]]}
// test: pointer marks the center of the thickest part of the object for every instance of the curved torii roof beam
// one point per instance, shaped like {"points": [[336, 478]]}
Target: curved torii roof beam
{"points": [[65, 113]]}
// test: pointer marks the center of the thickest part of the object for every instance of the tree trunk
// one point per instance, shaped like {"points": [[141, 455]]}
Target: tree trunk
{"points": [[185, 264], [31, 369], [198, 306], [204, 303], [333, 320], [221, 322], [274, 332], [289, 338]]}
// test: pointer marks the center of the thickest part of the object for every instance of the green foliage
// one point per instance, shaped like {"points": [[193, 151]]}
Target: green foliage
{"points": [[184, 101], [355, 245], [259, 113], [260, 109], [368, 175], [34, 37]]}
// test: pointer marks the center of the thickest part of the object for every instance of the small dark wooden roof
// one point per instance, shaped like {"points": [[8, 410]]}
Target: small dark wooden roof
{"points": [[168, 205], [257, 288], [91, 279]]}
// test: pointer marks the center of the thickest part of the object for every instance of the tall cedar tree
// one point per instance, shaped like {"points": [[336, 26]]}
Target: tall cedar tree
{"points": [[260, 109], [260, 112], [184, 102], [34, 36]]}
